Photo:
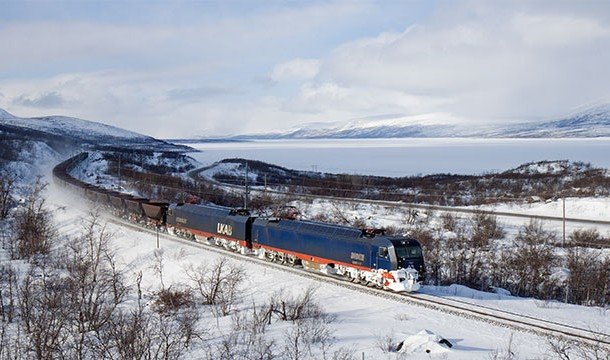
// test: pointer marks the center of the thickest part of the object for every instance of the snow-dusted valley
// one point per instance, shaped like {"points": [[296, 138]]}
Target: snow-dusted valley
{"points": [[98, 287]]}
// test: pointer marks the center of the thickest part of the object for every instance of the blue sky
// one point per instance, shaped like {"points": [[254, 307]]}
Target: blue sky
{"points": [[181, 69]]}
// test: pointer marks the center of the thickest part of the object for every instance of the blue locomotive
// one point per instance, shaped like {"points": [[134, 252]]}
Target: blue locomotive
{"points": [[370, 258]]}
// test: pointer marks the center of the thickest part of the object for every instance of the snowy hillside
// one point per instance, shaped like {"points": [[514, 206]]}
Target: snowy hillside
{"points": [[593, 122], [79, 131]]}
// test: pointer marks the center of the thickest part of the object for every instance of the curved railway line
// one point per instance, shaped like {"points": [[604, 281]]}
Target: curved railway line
{"points": [[464, 309]]}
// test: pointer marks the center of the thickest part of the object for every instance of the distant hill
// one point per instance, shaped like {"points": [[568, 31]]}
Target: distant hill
{"points": [[593, 122], [69, 131]]}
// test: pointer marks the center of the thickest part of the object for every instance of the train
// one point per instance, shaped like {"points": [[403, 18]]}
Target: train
{"points": [[360, 255]]}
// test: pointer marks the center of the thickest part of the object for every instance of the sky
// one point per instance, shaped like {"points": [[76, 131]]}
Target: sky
{"points": [[183, 69]]}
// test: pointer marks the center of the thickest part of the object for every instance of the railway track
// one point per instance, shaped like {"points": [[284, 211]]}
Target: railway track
{"points": [[451, 209], [503, 318]]}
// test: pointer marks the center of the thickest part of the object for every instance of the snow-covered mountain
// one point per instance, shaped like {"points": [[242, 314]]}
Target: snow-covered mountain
{"points": [[78, 132], [593, 122]]}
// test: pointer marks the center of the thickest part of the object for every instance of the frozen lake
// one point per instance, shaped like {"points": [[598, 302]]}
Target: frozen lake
{"points": [[403, 157]]}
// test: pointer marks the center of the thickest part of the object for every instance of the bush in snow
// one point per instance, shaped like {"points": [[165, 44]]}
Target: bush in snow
{"points": [[7, 186], [590, 238], [33, 230], [292, 308], [484, 228], [527, 267], [219, 284], [589, 279]]}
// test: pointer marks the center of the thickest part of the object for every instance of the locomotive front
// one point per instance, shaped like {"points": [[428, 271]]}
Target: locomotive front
{"points": [[403, 260]]}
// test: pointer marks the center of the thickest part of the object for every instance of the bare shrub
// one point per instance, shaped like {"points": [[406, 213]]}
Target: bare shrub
{"points": [[308, 338], [248, 339], [387, 343], [9, 293], [254, 321], [589, 279], [240, 345], [292, 308], [411, 216], [92, 281], [44, 314], [143, 334], [171, 300], [534, 234], [484, 228], [564, 349], [7, 185], [33, 227], [449, 222], [528, 267], [585, 237], [219, 284]]}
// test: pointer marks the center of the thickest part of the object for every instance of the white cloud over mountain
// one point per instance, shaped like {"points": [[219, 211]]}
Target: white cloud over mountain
{"points": [[284, 65]]}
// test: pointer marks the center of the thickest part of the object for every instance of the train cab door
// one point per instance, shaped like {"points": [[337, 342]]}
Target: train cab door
{"points": [[383, 258]]}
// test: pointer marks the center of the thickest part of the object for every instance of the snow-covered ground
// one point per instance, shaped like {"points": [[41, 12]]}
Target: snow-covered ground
{"points": [[380, 216], [579, 208], [362, 321]]}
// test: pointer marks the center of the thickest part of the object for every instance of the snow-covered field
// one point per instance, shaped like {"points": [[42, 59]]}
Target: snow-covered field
{"points": [[379, 216], [361, 320], [405, 157], [580, 208]]}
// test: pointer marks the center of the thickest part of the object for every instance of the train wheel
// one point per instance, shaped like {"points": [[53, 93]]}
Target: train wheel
{"points": [[269, 256]]}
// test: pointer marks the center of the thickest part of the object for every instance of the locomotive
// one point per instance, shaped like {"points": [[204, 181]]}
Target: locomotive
{"points": [[363, 256]]}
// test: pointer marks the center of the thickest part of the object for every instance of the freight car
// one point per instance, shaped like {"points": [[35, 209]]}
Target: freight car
{"points": [[371, 258], [222, 226]]}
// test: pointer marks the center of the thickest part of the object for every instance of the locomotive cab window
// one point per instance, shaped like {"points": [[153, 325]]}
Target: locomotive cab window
{"points": [[408, 251], [383, 252]]}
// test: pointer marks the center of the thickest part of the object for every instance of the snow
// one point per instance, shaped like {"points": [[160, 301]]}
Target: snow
{"points": [[590, 318], [227, 168], [361, 319], [407, 157], [32, 160], [424, 342], [61, 125], [580, 208]]}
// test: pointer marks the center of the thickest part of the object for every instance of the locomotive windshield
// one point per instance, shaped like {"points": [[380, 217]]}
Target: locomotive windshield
{"points": [[407, 251]]}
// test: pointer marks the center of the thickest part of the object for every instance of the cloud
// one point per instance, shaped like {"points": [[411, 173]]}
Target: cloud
{"points": [[471, 60], [199, 93], [496, 65], [296, 69], [558, 30], [44, 101]]}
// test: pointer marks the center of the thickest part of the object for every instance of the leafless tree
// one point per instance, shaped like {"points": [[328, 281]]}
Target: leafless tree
{"points": [[219, 284], [484, 228], [528, 266], [9, 292], [564, 349], [7, 185], [93, 282], [449, 222], [589, 279], [292, 308], [45, 312], [33, 228]]}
